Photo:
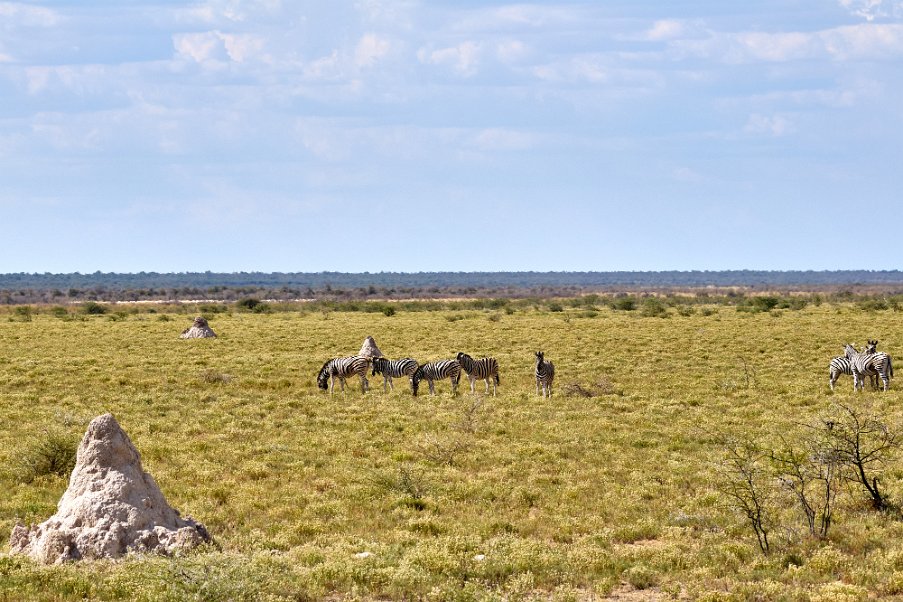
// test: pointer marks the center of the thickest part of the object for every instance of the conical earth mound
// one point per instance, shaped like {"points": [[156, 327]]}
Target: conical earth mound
{"points": [[110, 508], [369, 349], [199, 330]]}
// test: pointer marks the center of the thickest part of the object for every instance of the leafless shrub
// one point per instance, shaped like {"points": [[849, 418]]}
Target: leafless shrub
{"points": [[744, 480], [601, 387]]}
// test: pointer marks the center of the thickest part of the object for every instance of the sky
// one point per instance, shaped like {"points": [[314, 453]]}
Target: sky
{"points": [[307, 136]]}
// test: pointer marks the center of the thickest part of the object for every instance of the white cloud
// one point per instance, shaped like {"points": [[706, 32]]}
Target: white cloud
{"points": [[14, 13], [874, 9], [666, 29], [215, 46], [463, 58], [370, 50], [775, 125], [867, 41], [511, 51]]}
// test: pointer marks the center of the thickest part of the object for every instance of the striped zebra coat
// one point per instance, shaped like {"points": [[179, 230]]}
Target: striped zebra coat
{"points": [[545, 374], [434, 371], [485, 368], [873, 363], [394, 369], [841, 365], [342, 368]]}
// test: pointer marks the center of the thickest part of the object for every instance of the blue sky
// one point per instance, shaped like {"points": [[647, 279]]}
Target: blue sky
{"points": [[280, 135]]}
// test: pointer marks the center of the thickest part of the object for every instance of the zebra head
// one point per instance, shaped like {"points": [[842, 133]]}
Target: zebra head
{"points": [[463, 359], [850, 351], [415, 380], [871, 347], [323, 376], [539, 358], [377, 365]]}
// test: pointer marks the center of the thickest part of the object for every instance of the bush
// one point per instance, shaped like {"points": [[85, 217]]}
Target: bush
{"points": [[248, 304], [556, 307], [624, 304], [92, 308], [388, 311], [24, 313], [54, 454], [653, 308], [59, 312]]}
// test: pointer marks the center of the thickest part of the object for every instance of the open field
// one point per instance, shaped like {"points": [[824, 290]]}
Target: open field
{"points": [[466, 498]]}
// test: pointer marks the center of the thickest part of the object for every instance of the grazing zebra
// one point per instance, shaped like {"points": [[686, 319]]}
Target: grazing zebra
{"points": [[434, 371], [342, 368], [485, 368], [545, 374], [874, 363], [393, 368], [842, 365]]}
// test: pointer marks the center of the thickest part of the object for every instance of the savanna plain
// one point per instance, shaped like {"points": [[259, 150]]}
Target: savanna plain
{"points": [[615, 488]]}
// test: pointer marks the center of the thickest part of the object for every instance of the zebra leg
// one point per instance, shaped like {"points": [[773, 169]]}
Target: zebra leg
{"points": [[365, 385], [543, 388], [472, 384], [391, 384], [432, 388]]}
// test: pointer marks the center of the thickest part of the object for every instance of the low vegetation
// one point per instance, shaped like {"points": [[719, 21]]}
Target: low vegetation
{"points": [[625, 480]]}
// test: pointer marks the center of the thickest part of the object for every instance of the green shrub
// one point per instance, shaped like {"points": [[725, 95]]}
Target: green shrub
{"points": [[52, 454], [59, 312], [24, 313], [624, 304], [93, 308], [388, 311], [556, 307], [653, 308]]}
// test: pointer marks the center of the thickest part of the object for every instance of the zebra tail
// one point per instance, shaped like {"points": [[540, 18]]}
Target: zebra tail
{"points": [[496, 379]]}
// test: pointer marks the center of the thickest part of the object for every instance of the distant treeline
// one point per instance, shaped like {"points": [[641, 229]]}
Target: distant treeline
{"points": [[58, 288], [320, 280]]}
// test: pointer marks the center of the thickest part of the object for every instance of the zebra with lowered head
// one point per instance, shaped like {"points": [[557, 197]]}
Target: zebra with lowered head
{"points": [[873, 363], [485, 368], [394, 369], [342, 368], [434, 371], [545, 374]]}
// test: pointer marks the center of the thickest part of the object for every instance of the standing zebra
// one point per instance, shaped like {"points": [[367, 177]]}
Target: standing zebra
{"points": [[342, 368], [842, 365], [485, 368], [873, 363], [434, 371], [394, 368], [545, 374]]}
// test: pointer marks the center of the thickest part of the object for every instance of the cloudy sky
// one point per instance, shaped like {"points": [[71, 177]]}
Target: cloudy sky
{"points": [[370, 135]]}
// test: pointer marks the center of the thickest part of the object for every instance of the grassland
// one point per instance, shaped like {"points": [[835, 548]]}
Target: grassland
{"points": [[465, 498]]}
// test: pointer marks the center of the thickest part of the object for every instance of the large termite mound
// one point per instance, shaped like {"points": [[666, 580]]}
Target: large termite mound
{"points": [[200, 329], [110, 508]]}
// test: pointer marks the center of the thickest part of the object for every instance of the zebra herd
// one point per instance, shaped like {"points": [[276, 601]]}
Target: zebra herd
{"points": [[859, 364], [485, 369]]}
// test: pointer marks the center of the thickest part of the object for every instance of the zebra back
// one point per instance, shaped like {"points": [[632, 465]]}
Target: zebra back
{"points": [[438, 370], [840, 365], [394, 368], [483, 368], [342, 367]]}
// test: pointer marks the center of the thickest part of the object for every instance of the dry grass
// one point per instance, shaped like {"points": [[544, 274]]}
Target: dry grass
{"points": [[512, 498]]}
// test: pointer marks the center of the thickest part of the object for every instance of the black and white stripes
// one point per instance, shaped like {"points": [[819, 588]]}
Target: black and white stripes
{"points": [[342, 368], [434, 371], [485, 368], [394, 369], [545, 374], [871, 363]]}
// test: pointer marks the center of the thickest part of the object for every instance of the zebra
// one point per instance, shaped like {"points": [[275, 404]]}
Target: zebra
{"points": [[434, 371], [342, 368], [485, 368], [842, 365], [545, 374], [874, 363], [393, 368]]}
